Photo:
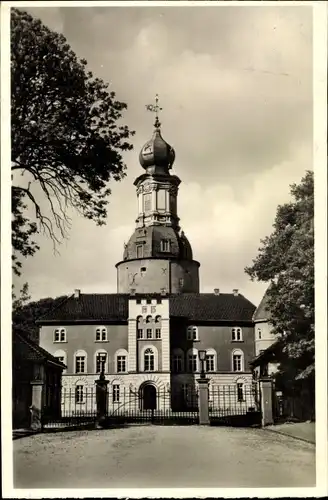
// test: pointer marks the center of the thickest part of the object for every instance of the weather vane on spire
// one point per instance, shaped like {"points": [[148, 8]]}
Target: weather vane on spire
{"points": [[155, 108]]}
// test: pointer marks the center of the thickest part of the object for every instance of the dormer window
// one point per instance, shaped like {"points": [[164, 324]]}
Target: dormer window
{"points": [[165, 245]]}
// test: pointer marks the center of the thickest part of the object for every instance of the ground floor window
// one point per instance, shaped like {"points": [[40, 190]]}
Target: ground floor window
{"points": [[79, 394], [240, 391], [116, 393]]}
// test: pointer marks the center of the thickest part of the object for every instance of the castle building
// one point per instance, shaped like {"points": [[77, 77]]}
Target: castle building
{"points": [[147, 335]]}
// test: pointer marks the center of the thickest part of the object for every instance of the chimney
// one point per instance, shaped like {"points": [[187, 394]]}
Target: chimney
{"points": [[216, 291], [77, 293], [132, 291], [235, 292], [163, 291]]}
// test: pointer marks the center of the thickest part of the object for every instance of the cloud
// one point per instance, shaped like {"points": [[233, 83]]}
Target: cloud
{"points": [[235, 85]]}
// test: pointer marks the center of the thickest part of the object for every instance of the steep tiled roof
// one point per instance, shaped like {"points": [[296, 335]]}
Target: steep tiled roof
{"points": [[114, 307], [102, 307], [262, 312], [211, 307], [26, 349]]}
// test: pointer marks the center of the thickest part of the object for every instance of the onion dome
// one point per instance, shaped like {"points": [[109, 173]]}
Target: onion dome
{"points": [[157, 153]]}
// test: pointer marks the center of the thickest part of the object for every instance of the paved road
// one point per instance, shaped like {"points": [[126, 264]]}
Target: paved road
{"points": [[160, 456]]}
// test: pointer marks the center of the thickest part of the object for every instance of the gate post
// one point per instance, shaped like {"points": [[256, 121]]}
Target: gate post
{"points": [[265, 384], [101, 399], [203, 401]]}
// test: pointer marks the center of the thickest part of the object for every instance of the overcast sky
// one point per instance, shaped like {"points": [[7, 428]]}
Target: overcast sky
{"points": [[235, 84]]}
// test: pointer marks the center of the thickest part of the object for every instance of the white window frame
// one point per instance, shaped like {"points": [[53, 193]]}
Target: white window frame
{"points": [[155, 352], [121, 352], [192, 352], [101, 351], [165, 245], [211, 352], [237, 352], [236, 334], [240, 384], [62, 335], [103, 334], [79, 395], [192, 333], [116, 392], [78, 354]]}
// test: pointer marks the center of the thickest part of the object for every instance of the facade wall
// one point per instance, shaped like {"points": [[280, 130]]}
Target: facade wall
{"points": [[264, 337], [218, 338], [83, 337], [152, 275]]}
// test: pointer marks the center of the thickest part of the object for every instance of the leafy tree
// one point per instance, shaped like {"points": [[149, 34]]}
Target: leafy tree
{"points": [[286, 261], [67, 140], [25, 313]]}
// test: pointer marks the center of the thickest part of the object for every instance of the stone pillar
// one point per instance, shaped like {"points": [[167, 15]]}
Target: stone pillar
{"points": [[204, 418], [37, 404], [101, 399], [265, 384]]}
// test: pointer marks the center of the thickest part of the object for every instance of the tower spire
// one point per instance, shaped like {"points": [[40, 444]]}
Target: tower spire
{"points": [[155, 108]]}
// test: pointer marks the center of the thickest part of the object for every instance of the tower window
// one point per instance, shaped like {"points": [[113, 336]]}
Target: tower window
{"points": [[139, 251], [165, 245], [147, 202]]}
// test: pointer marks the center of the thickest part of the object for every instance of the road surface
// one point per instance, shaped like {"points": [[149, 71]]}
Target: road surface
{"points": [[163, 457]]}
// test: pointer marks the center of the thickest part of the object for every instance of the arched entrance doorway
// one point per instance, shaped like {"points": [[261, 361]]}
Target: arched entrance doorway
{"points": [[148, 397]]}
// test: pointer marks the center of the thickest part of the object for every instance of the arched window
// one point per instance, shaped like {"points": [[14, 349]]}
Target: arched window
{"points": [[62, 357], [101, 334], [192, 360], [192, 333], [101, 360], [60, 335], [237, 360], [80, 362], [158, 327], [236, 334], [121, 361], [177, 361], [211, 360]]}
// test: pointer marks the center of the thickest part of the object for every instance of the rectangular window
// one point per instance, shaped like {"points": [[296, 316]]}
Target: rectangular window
{"points": [[98, 334], [116, 393], [236, 334], [149, 333], [240, 392], [158, 333], [140, 333], [56, 336], [80, 364], [100, 362], [104, 334], [62, 335], [165, 246], [147, 202], [210, 362], [177, 363], [139, 251], [237, 363], [149, 363], [79, 394], [192, 362], [121, 364]]}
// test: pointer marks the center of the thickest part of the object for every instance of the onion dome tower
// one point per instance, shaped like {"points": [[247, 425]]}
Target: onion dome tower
{"points": [[158, 256]]}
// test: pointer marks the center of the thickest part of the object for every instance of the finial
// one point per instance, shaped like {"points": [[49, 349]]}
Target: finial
{"points": [[155, 109]]}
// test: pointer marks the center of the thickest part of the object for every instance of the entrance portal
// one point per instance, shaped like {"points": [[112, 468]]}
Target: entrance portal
{"points": [[149, 397]]}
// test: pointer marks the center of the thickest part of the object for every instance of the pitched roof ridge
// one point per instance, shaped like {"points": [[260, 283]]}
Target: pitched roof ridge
{"points": [[54, 308]]}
